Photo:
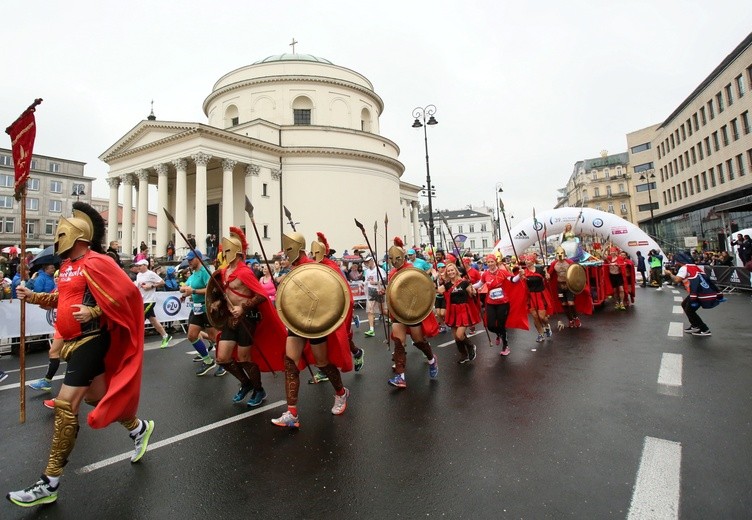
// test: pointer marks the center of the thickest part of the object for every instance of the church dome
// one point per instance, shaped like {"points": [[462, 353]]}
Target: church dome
{"points": [[293, 57]]}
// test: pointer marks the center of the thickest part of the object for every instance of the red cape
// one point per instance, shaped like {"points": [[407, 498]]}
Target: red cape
{"points": [[268, 350], [583, 302], [516, 292], [123, 315]]}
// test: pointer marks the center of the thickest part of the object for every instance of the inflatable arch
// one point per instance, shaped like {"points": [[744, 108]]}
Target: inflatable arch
{"points": [[585, 221]]}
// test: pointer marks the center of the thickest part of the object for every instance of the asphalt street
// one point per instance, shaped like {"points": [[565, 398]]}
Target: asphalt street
{"points": [[626, 417]]}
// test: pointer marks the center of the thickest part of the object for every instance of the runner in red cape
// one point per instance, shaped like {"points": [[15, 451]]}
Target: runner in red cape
{"points": [[506, 302], [429, 327], [566, 301], [329, 352], [461, 311], [539, 299], [100, 318], [251, 321]]}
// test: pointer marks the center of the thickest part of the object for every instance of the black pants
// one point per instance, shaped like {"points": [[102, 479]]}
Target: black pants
{"points": [[694, 318], [496, 317]]}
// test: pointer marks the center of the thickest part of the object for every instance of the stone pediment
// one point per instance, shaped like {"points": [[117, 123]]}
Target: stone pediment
{"points": [[148, 134]]}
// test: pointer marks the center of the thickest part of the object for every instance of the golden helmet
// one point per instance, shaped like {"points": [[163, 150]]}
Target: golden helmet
{"points": [[234, 245], [293, 244], [78, 227], [560, 253], [320, 247], [397, 253]]}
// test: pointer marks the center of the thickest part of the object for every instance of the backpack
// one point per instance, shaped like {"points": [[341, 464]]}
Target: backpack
{"points": [[704, 293]]}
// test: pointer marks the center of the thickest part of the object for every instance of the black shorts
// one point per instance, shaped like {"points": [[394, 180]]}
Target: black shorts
{"points": [[202, 320], [440, 303], [565, 294], [242, 334], [87, 361], [149, 310], [313, 341], [616, 279]]}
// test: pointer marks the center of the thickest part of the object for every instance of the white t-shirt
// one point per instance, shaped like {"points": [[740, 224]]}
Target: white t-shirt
{"points": [[371, 276], [150, 277]]}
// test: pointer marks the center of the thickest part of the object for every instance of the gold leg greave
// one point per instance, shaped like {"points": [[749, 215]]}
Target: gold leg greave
{"points": [[63, 439]]}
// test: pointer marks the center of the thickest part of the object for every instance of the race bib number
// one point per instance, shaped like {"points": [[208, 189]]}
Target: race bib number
{"points": [[198, 308], [496, 294]]}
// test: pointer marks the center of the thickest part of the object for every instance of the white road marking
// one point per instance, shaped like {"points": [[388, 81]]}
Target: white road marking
{"points": [[656, 491], [678, 298], [678, 309], [676, 329], [670, 375], [477, 331], [675, 291], [177, 438]]}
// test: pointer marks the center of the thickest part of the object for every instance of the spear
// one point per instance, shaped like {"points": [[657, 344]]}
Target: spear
{"points": [[249, 211], [171, 219], [506, 224], [289, 217], [378, 273], [386, 232]]}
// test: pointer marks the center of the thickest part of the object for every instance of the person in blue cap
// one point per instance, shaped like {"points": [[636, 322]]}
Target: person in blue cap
{"points": [[417, 261], [687, 272]]}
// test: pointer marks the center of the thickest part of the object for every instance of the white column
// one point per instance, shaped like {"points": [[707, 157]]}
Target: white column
{"points": [[163, 227], [201, 159], [228, 194], [181, 206], [112, 210], [251, 171], [127, 241], [415, 222], [142, 230]]}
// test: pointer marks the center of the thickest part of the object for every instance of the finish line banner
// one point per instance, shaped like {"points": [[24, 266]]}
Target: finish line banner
{"points": [[39, 321]]}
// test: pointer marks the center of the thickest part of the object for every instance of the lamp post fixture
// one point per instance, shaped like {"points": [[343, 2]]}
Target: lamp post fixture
{"points": [[419, 114], [78, 190], [497, 196], [649, 176]]}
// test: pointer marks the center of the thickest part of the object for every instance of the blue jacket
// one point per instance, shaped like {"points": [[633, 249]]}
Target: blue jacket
{"points": [[43, 283]]}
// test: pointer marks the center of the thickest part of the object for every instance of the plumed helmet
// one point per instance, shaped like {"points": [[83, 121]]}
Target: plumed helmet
{"points": [[397, 253], [69, 230], [560, 253], [235, 245], [293, 244], [320, 247]]}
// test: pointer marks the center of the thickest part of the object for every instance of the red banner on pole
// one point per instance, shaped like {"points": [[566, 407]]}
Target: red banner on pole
{"points": [[22, 133]]}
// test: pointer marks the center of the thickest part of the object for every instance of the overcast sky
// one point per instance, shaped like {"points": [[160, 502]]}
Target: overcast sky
{"points": [[523, 89]]}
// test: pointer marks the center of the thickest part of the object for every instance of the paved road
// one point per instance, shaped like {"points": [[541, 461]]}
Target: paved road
{"points": [[579, 428]]}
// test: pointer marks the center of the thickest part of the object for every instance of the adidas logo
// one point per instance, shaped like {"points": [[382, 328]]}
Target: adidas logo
{"points": [[735, 277], [521, 235], [713, 276]]}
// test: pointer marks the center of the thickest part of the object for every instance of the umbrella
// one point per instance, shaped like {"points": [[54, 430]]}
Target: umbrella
{"points": [[46, 256], [362, 247], [12, 250], [34, 250]]}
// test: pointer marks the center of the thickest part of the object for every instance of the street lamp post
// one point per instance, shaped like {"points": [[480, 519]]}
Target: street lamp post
{"points": [[499, 191], [78, 190], [649, 176], [421, 113]]}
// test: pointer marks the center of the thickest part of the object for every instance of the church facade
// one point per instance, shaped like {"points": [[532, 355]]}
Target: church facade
{"points": [[290, 131]]}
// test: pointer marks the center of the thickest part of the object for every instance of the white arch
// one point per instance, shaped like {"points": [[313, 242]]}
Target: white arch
{"points": [[586, 221]]}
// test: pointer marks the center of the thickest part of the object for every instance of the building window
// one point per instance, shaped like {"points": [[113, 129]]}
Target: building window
{"points": [[716, 143], [483, 227], [729, 96], [606, 174], [707, 146], [721, 177], [235, 121], [49, 227], [699, 151], [31, 228], [730, 169], [264, 190], [694, 155], [32, 204], [740, 85], [704, 176], [711, 110], [696, 121], [6, 202], [745, 122], [683, 133], [459, 228], [711, 171], [596, 192], [610, 208], [724, 135], [78, 189], [472, 243], [598, 207], [301, 116], [472, 228], [740, 165], [735, 129], [54, 167], [56, 206], [623, 208], [33, 184], [608, 191], [643, 167], [719, 102], [266, 231], [594, 175], [7, 225], [6, 160], [56, 187], [7, 181], [641, 148], [702, 116], [485, 243], [691, 188], [622, 188]]}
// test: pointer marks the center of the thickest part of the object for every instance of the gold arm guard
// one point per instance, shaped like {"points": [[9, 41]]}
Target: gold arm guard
{"points": [[43, 299]]}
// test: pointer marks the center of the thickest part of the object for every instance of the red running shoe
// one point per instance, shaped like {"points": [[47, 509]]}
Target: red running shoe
{"points": [[49, 403]]}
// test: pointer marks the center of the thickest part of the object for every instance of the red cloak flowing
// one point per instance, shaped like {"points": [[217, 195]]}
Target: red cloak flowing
{"points": [[516, 293], [268, 350], [583, 302]]}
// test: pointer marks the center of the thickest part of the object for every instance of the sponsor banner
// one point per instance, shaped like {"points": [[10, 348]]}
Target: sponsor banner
{"points": [[39, 321], [358, 290], [724, 276]]}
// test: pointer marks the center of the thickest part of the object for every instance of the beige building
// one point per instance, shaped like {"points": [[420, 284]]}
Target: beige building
{"points": [[53, 185], [601, 183], [291, 130], [700, 157]]}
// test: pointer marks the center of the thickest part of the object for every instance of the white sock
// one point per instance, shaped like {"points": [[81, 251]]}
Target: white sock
{"points": [[138, 429], [54, 481]]}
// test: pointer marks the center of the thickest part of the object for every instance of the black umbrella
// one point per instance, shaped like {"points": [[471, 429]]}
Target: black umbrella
{"points": [[47, 256]]}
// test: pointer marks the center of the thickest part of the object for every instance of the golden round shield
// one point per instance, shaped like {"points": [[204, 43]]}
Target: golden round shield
{"points": [[576, 278], [312, 300], [217, 317], [410, 295]]}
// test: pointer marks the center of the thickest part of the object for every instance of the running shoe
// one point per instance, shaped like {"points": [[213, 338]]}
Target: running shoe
{"points": [[398, 381], [220, 371], [539, 339], [442, 329], [463, 360], [257, 397], [691, 329], [497, 340], [3, 376], [242, 393], [287, 420], [505, 351], [369, 333], [43, 385], [340, 403], [571, 324], [205, 368], [577, 323], [197, 358], [356, 319], [141, 441], [472, 354], [49, 403], [471, 330], [359, 359], [702, 333], [40, 493], [433, 368], [166, 342], [319, 377]]}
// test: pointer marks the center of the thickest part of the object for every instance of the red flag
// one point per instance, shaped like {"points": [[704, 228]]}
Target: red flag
{"points": [[22, 133]]}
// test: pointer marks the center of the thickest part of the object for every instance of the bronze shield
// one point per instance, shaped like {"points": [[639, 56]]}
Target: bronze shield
{"points": [[217, 317], [313, 300], [576, 278], [410, 295]]}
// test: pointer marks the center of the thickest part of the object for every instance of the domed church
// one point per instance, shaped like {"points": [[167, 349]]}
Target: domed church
{"points": [[290, 131]]}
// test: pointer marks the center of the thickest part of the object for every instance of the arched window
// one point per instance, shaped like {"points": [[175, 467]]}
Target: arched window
{"points": [[231, 116], [365, 120], [301, 110]]}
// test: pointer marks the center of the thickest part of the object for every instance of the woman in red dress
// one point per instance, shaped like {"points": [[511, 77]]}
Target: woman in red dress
{"points": [[460, 311]]}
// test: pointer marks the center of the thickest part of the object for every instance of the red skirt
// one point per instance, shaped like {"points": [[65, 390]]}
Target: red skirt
{"points": [[460, 315]]}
